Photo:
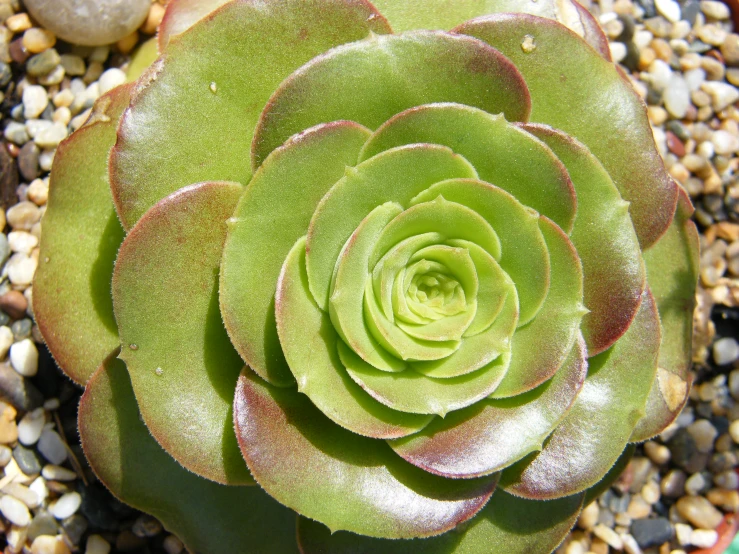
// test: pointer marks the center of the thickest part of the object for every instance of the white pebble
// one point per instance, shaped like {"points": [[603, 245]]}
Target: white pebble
{"points": [[20, 269], [683, 531], [714, 9], [66, 505], [724, 143], [670, 9], [704, 434], [51, 447], [22, 241], [52, 404], [608, 535], [58, 473], [727, 480], [677, 97], [703, 538], [24, 358], [97, 545], [51, 137], [694, 78], [110, 79], [23, 215], [46, 544], [24, 494], [695, 484], [6, 340], [722, 94], [36, 126], [31, 426], [46, 158], [660, 75], [35, 100], [630, 544], [15, 511], [16, 537], [39, 487], [725, 351], [618, 51]]}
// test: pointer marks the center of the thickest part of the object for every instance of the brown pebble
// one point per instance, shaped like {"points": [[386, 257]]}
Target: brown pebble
{"points": [[728, 231], [28, 161], [126, 44], [726, 500], [674, 144], [18, 23], [128, 542], [18, 52], [699, 511], [14, 304]]}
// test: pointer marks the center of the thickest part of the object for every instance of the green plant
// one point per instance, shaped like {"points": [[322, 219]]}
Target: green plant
{"points": [[460, 278]]}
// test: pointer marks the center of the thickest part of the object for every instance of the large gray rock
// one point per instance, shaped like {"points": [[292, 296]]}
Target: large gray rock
{"points": [[89, 22]]}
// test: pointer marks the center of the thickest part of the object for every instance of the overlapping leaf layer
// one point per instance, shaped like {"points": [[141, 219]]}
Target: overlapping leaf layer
{"points": [[418, 272]]}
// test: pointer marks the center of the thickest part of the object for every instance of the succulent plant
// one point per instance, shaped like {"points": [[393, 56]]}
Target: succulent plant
{"points": [[415, 269]]}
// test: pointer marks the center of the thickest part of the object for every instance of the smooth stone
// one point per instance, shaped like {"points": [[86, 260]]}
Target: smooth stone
{"points": [[17, 133], [110, 79], [16, 390], [42, 524], [677, 97], [703, 538], [8, 426], [638, 508], [589, 516], [704, 434], [35, 100], [73, 65], [46, 544], [715, 10], [6, 334], [673, 484], [15, 511], [24, 494], [734, 431], [74, 527], [27, 460], [146, 526], [58, 473], [660, 74], [24, 357], [727, 500], [28, 161], [173, 545], [23, 215], [66, 505], [725, 351], [609, 536], [682, 533], [97, 545], [90, 22], [684, 453], [6, 454], [722, 94], [728, 480], [39, 487], [21, 329], [699, 511], [43, 63], [16, 538], [51, 137], [696, 484], [669, 9], [630, 544], [730, 49], [31, 426], [51, 447], [651, 532]]}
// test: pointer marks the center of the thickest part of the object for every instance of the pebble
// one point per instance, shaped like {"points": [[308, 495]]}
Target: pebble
{"points": [[638, 508], [44, 63], [711, 34], [21, 268], [39, 487], [46, 544], [24, 494], [22, 241], [20, 392], [703, 538], [27, 460], [31, 426], [728, 480], [16, 133], [6, 335], [90, 22], [695, 484], [24, 357], [714, 9], [51, 447], [673, 484], [8, 427], [609, 536], [38, 190], [677, 97], [23, 215], [51, 136], [97, 545], [725, 351], [727, 500], [722, 94], [734, 431], [16, 538], [15, 511], [730, 49], [110, 79], [651, 532], [74, 527], [650, 492], [58, 473], [35, 100], [704, 433], [699, 511], [669, 9], [6, 454], [66, 505], [658, 453], [172, 545], [630, 544]]}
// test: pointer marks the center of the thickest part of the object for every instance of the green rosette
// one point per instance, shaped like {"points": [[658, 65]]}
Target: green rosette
{"points": [[413, 269]]}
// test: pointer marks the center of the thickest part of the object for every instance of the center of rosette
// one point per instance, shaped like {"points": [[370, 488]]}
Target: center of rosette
{"points": [[431, 292]]}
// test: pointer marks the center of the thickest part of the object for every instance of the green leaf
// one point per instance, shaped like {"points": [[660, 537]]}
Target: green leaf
{"points": [[309, 342], [524, 254], [589, 99], [194, 114], [362, 486], [141, 59], [507, 524], [522, 165], [605, 240], [71, 288], [539, 348], [372, 80], [183, 14], [610, 478], [182, 365], [492, 434], [409, 391], [134, 467], [587, 443], [672, 270], [394, 176], [273, 213]]}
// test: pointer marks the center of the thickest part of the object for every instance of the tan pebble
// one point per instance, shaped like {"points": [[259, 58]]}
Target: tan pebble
{"points": [[8, 427], [126, 44], [658, 453], [724, 443], [714, 69], [657, 114], [589, 516], [609, 536], [726, 500], [173, 545], [94, 70], [734, 431], [38, 40], [704, 113], [18, 23], [682, 533], [690, 61], [46, 544], [662, 49], [23, 215], [638, 508], [38, 192], [576, 547], [711, 34], [706, 392], [728, 231], [646, 57], [679, 172], [650, 492], [63, 98], [156, 13], [699, 511], [703, 538]]}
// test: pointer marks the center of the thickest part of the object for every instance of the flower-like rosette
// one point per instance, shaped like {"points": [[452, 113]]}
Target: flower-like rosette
{"points": [[456, 270]]}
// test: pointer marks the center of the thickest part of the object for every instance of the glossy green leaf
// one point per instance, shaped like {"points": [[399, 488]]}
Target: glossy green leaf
{"points": [[180, 15], [409, 391], [507, 524], [136, 470], [362, 485], [501, 153], [183, 367], [273, 213], [71, 288], [193, 117], [524, 255], [372, 80], [587, 98], [492, 434], [393, 176], [672, 270], [605, 240], [309, 342], [586, 444], [540, 348]]}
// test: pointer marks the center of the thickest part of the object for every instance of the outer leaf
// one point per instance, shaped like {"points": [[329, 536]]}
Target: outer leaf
{"points": [[309, 342], [606, 243], [165, 286], [610, 478], [588, 99], [540, 348], [207, 517], [362, 486], [273, 213], [201, 113], [71, 292], [672, 267], [492, 434], [372, 80], [587, 443], [507, 524], [183, 14]]}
